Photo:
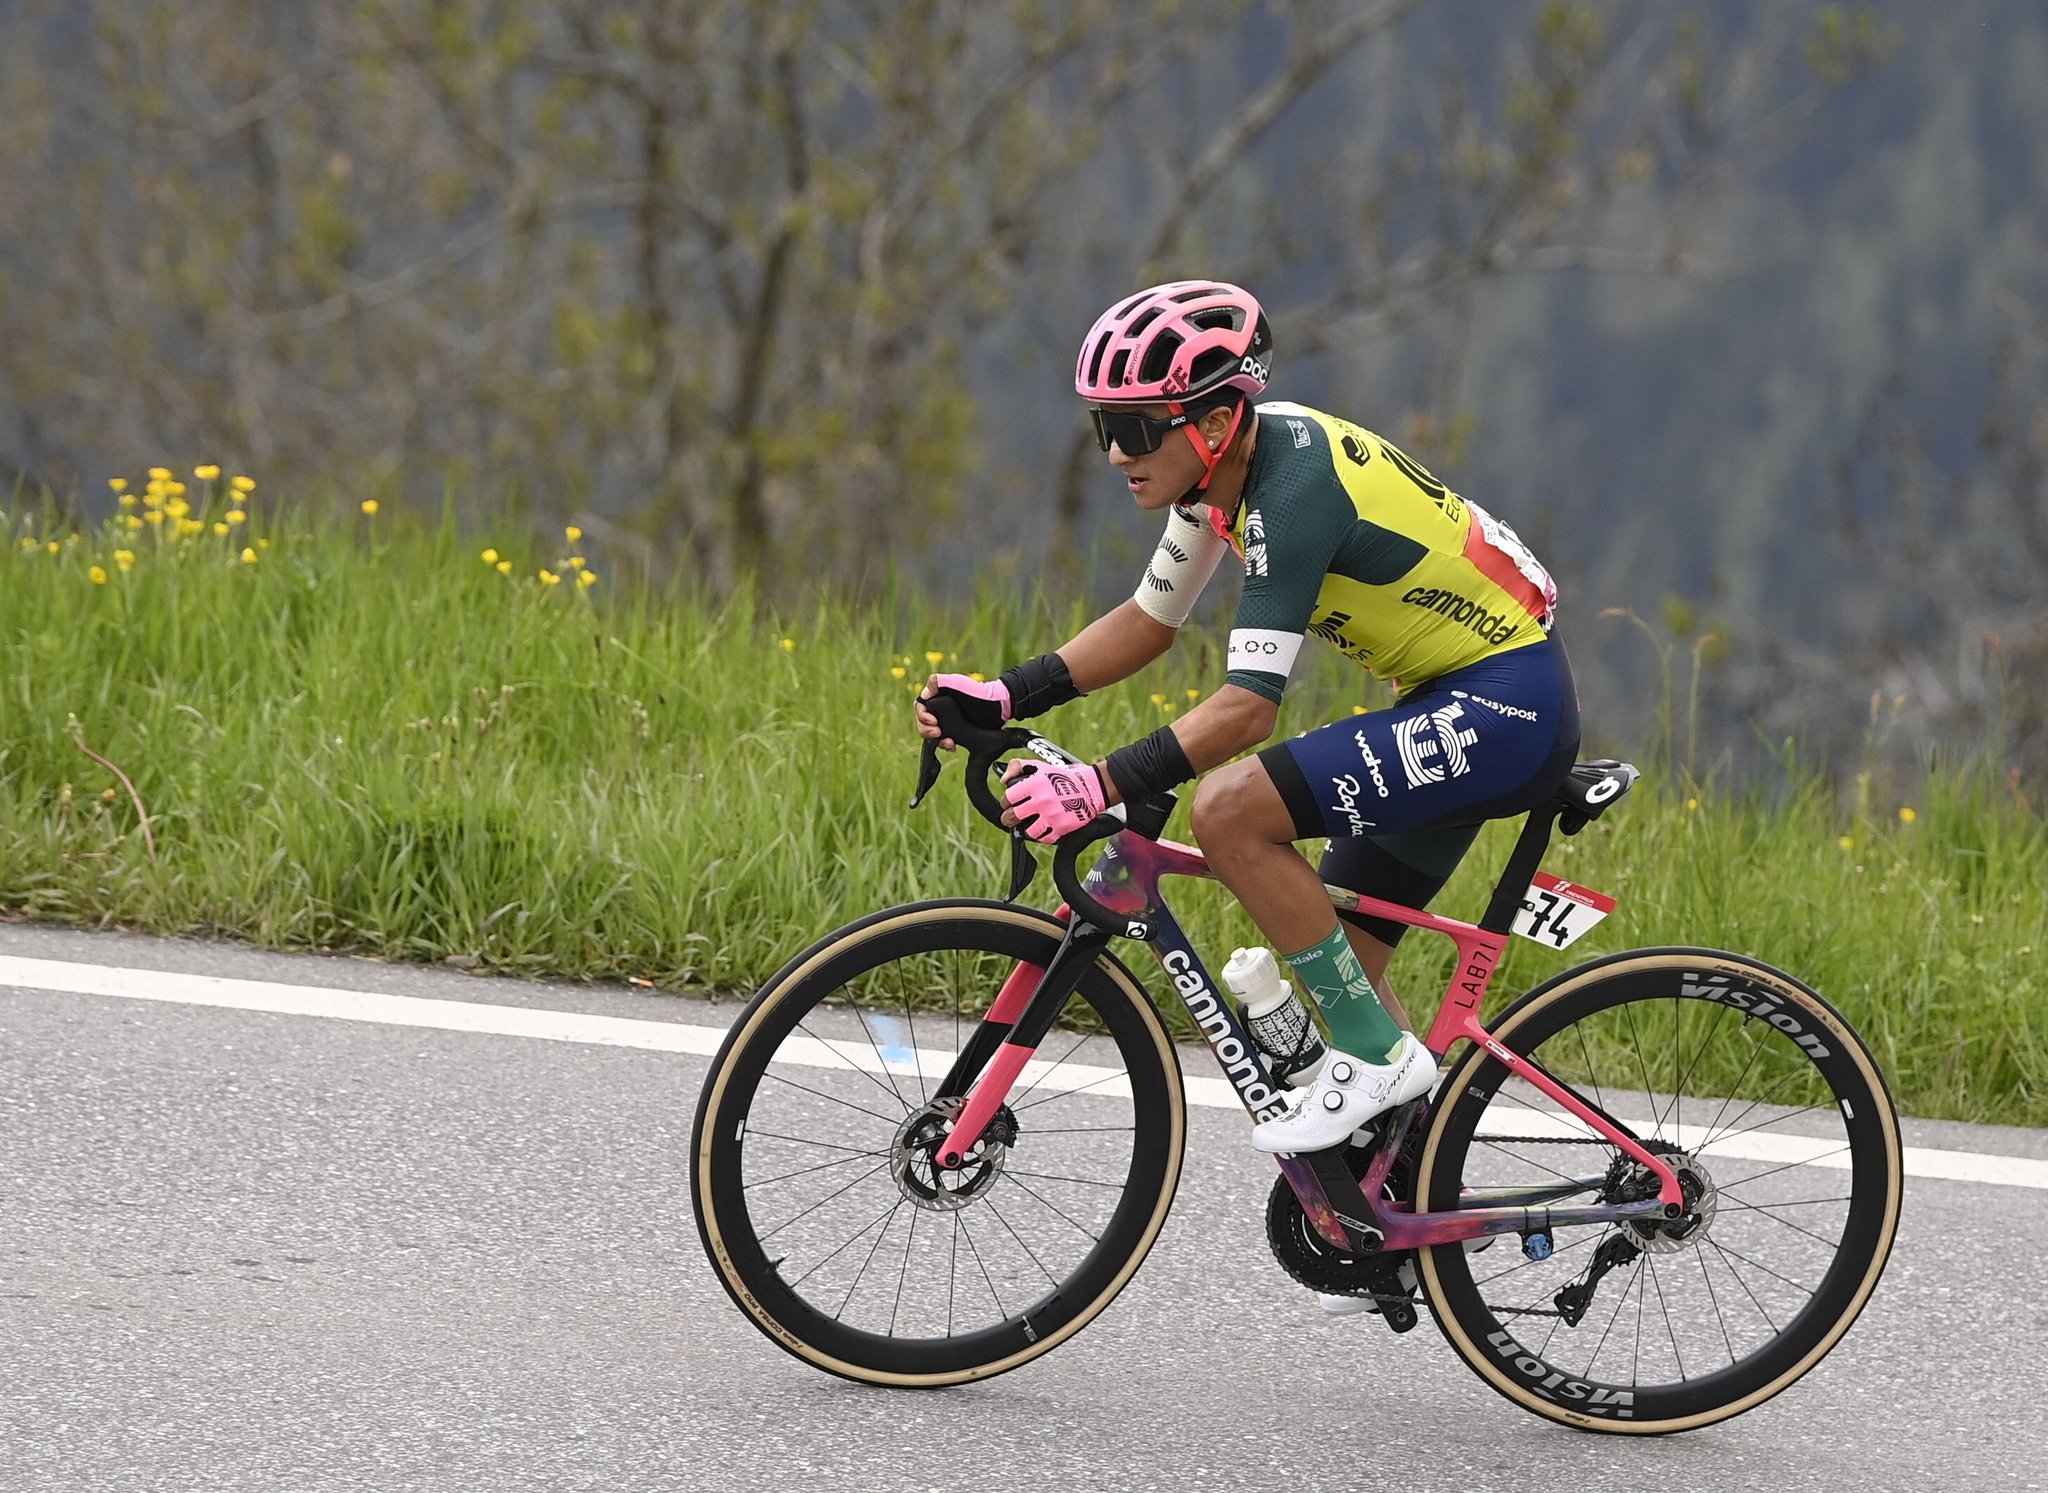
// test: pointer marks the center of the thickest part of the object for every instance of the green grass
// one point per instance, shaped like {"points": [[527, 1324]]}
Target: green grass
{"points": [[369, 739]]}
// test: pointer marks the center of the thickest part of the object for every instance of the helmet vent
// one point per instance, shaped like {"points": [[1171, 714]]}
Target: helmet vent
{"points": [[1159, 357], [1095, 363]]}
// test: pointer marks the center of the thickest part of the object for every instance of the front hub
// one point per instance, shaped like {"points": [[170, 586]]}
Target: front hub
{"points": [[914, 1156]]}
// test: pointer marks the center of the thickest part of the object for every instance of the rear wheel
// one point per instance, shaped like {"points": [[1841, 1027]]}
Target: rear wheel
{"points": [[1787, 1147], [817, 1191]]}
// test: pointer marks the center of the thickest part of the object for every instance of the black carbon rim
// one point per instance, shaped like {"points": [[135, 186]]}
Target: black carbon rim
{"points": [[796, 1182], [1803, 1167]]}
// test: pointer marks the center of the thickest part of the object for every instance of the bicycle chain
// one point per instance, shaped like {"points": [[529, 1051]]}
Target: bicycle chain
{"points": [[1310, 1263]]}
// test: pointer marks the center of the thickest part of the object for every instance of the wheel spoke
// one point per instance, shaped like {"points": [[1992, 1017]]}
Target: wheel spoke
{"points": [[812, 1141], [821, 1202], [807, 1170], [1050, 1207], [1765, 1210], [880, 1235], [888, 1088], [834, 1098], [1013, 1171]]}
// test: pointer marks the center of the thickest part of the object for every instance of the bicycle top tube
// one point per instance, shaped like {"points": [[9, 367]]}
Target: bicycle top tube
{"points": [[1126, 882]]}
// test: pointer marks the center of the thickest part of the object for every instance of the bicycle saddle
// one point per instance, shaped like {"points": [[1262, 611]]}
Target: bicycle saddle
{"points": [[1590, 789]]}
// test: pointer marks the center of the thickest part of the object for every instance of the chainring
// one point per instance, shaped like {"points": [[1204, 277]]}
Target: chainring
{"points": [[1310, 1259]]}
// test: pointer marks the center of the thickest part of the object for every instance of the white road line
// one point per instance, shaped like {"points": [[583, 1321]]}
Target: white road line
{"points": [[703, 1041]]}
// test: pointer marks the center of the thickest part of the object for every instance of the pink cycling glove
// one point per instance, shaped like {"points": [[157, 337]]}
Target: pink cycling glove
{"points": [[1052, 801], [992, 690]]}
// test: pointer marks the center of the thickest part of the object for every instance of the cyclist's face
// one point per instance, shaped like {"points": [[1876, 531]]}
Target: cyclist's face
{"points": [[1157, 478]]}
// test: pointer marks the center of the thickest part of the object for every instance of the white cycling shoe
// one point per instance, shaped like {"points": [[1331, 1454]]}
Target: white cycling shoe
{"points": [[1347, 1093], [1350, 1306]]}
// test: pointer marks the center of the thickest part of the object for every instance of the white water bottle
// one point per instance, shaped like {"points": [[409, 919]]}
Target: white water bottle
{"points": [[1278, 1021]]}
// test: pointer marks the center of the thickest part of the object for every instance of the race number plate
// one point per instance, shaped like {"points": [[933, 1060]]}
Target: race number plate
{"points": [[1556, 912]]}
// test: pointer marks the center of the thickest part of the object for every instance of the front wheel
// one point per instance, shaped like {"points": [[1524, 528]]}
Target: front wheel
{"points": [[814, 1174], [1786, 1144]]}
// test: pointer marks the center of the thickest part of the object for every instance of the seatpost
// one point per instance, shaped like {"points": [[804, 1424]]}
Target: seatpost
{"points": [[1522, 867]]}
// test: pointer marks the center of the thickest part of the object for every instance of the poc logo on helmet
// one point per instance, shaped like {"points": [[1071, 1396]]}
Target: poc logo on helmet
{"points": [[1254, 367]]}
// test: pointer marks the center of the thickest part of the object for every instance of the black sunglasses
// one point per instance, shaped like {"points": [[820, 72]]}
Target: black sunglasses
{"points": [[1134, 434]]}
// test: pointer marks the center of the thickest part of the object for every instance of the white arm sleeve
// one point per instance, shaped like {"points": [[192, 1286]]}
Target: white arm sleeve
{"points": [[1188, 554]]}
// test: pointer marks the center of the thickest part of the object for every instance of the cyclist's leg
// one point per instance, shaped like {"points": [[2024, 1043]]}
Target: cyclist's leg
{"points": [[1472, 744], [1408, 870]]}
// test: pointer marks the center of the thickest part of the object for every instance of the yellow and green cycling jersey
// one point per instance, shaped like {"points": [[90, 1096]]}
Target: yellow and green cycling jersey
{"points": [[1346, 537]]}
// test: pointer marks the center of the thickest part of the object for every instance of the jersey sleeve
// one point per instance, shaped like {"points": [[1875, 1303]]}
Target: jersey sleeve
{"points": [[1180, 567], [1292, 531]]}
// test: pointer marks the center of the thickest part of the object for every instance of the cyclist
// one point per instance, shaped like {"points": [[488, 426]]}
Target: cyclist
{"points": [[1344, 537]]}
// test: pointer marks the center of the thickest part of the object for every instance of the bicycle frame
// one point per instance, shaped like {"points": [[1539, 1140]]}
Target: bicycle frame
{"points": [[1352, 1214]]}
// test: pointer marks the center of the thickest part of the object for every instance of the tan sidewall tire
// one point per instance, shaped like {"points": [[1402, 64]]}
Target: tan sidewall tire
{"points": [[789, 985], [1476, 1354]]}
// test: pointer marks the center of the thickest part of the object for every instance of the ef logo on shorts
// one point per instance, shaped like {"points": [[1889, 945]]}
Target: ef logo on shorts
{"points": [[1432, 746]]}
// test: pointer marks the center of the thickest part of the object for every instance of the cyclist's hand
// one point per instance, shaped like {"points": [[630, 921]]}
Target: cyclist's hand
{"points": [[1048, 802], [994, 691]]}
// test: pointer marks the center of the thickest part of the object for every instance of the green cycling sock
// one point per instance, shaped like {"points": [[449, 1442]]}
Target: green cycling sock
{"points": [[1358, 1022]]}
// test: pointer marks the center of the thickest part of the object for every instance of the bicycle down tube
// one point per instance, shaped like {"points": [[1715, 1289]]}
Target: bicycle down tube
{"points": [[1125, 883]]}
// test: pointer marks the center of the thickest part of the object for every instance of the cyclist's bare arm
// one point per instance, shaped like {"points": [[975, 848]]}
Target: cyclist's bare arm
{"points": [[1115, 646]]}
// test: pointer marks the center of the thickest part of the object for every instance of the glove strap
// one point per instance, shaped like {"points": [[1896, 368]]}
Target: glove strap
{"points": [[1038, 684]]}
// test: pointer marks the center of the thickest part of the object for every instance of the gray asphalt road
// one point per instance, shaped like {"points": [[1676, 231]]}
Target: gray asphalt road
{"points": [[241, 1250]]}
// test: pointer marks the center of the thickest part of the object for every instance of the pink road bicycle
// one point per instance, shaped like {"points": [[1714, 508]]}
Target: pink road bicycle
{"points": [[1651, 1193]]}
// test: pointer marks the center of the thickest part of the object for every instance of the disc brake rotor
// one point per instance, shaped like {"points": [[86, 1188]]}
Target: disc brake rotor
{"points": [[914, 1156]]}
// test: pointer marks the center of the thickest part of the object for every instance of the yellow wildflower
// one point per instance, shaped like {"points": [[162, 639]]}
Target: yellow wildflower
{"points": [[154, 516], [587, 579], [789, 645], [99, 576], [575, 562], [242, 484], [933, 657], [219, 527], [897, 671], [53, 546], [1847, 842], [236, 516], [132, 522], [118, 484], [175, 489], [1194, 695], [1907, 814], [1358, 710], [206, 473], [127, 500], [549, 578], [370, 506], [1691, 805], [573, 533], [177, 508], [504, 567], [490, 557], [159, 474], [124, 560], [248, 556], [187, 527], [263, 544], [29, 542], [1159, 699], [978, 677]]}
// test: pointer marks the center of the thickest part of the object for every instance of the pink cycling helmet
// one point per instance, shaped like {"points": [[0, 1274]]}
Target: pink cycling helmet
{"points": [[1178, 342]]}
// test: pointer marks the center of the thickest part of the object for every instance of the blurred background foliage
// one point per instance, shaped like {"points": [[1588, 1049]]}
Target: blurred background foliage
{"points": [[1736, 309]]}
